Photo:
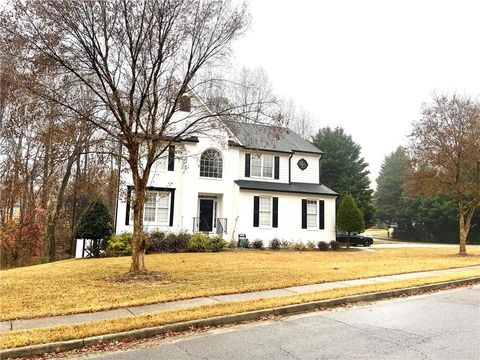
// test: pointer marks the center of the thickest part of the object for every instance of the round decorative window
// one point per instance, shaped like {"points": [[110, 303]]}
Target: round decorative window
{"points": [[302, 164]]}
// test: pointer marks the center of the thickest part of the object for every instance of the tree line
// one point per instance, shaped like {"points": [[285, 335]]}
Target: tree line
{"points": [[430, 190]]}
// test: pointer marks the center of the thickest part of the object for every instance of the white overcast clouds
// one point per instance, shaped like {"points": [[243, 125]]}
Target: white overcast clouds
{"points": [[365, 65]]}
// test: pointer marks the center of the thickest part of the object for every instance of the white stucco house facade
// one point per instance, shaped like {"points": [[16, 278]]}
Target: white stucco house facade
{"points": [[257, 180]]}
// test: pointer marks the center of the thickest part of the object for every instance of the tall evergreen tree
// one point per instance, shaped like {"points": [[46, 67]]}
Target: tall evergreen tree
{"points": [[344, 170], [416, 218], [389, 194]]}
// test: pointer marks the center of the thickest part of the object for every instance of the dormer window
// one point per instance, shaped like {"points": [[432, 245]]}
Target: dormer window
{"points": [[262, 166], [184, 104]]}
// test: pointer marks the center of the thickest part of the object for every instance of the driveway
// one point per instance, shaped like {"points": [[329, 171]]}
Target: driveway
{"points": [[395, 245], [444, 325]]}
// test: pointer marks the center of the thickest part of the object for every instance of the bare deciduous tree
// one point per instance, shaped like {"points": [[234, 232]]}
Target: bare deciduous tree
{"points": [[445, 155], [296, 118], [138, 59], [252, 91]]}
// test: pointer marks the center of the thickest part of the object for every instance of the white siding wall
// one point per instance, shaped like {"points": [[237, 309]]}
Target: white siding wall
{"points": [[289, 219], [186, 181], [234, 204], [310, 174]]}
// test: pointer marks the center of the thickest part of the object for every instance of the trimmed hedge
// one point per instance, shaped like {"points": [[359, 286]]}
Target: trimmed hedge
{"points": [[200, 242], [257, 244], [161, 242], [275, 244], [323, 246], [120, 245], [335, 245]]}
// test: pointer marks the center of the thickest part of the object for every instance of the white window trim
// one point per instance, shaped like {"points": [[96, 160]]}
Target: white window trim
{"points": [[261, 167], [269, 226], [316, 227], [167, 222]]}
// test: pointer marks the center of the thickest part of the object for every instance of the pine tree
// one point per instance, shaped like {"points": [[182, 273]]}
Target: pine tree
{"points": [[389, 195], [95, 224], [344, 170], [349, 217]]}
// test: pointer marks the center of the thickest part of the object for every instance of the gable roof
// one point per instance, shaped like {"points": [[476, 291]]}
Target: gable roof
{"points": [[268, 137]]}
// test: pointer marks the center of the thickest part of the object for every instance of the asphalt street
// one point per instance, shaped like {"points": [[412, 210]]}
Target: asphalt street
{"points": [[443, 325]]}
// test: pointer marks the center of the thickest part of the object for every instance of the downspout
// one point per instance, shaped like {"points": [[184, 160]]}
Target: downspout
{"points": [[290, 168], [320, 170]]}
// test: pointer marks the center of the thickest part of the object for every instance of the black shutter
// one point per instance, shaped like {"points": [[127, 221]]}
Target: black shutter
{"points": [[321, 206], [275, 212], [277, 167], [127, 213], [256, 210], [171, 158], [172, 203], [304, 213], [247, 165]]}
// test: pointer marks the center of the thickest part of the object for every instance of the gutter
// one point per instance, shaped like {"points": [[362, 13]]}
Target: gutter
{"points": [[290, 169]]}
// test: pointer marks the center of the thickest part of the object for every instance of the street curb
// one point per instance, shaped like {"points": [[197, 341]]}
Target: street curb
{"points": [[223, 320]]}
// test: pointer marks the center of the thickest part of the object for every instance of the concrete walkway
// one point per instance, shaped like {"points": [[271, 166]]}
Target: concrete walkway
{"points": [[185, 304]]}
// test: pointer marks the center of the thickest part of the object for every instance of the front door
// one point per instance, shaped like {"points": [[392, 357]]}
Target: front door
{"points": [[206, 215]]}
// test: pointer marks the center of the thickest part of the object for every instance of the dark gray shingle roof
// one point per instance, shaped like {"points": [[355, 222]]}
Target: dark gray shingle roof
{"points": [[299, 188], [266, 137]]}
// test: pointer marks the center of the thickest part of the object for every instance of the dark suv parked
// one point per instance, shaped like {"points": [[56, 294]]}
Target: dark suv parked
{"points": [[355, 239]]}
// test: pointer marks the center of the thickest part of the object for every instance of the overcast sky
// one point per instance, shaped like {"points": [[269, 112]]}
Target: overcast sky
{"points": [[365, 65]]}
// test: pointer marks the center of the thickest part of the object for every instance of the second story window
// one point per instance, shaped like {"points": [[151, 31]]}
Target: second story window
{"points": [[211, 164], [262, 166]]}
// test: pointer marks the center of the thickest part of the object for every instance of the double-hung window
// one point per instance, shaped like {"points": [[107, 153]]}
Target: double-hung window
{"points": [[312, 212], [261, 166], [265, 211], [150, 207], [157, 207]]}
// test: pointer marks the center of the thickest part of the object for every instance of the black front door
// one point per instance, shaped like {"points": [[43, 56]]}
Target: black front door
{"points": [[206, 215]]}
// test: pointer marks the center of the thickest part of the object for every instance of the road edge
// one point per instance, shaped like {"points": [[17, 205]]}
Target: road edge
{"points": [[62, 346]]}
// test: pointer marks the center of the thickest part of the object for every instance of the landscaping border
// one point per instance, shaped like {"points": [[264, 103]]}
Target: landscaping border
{"points": [[62, 346]]}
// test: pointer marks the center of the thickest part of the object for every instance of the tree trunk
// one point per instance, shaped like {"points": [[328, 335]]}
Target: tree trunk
{"points": [[53, 219], [464, 227], [139, 241], [51, 240], [348, 240]]}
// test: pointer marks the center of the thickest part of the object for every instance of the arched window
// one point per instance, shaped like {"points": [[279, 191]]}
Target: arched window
{"points": [[211, 164]]}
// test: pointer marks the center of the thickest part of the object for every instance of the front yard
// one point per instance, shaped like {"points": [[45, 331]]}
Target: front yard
{"points": [[74, 286]]}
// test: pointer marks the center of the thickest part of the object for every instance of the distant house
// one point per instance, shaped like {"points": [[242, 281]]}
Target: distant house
{"points": [[257, 180]]}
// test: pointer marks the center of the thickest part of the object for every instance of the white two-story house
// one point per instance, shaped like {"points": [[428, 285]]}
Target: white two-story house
{"points": [[257, 180]]}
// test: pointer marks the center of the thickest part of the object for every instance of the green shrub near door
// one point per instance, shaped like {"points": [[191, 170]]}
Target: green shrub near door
{"points": [[201, 242]]}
